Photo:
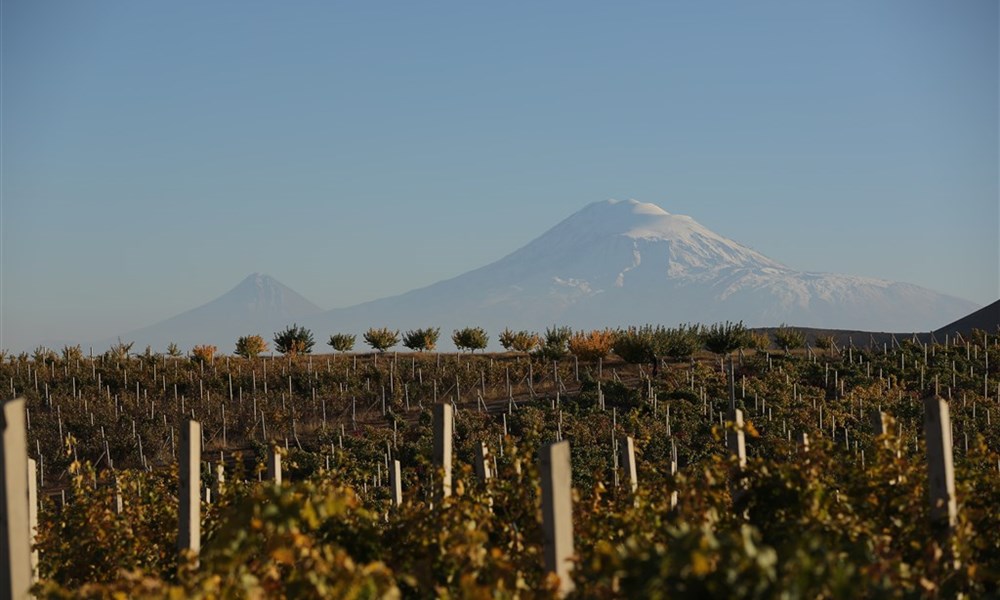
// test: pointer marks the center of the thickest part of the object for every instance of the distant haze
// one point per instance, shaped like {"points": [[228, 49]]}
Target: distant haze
{"points": [[613, 263], [155, 154]]}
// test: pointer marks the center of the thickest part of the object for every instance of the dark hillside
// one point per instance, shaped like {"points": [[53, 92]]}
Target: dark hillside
{"points": [[986, 319]]}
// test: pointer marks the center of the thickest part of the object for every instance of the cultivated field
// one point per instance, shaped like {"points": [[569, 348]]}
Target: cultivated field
{"points": [[812, 496]]}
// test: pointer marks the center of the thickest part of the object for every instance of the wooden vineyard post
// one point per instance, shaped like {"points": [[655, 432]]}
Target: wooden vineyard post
{"points": [[804, 441], [274, 465], [396, 482], [483, 462], [189, 512], [15, 529], [940, 468], [626, 460], [557, 512], [443, 428]]}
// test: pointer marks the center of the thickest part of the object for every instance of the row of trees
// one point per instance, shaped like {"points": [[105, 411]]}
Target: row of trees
{"points": [[646, 344]]}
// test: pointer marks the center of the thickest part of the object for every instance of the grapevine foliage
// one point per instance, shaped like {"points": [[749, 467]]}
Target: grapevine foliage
{"points": [[846, 517]]}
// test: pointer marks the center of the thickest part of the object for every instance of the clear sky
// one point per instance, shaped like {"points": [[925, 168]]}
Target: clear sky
{"points": [[155, 153]]}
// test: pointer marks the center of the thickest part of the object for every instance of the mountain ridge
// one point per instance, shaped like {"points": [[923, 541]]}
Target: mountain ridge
{"points": [[616, 263], [610, 264]]}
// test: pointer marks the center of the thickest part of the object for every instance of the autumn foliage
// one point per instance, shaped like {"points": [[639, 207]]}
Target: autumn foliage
{"points": [[592, 345], [250, 346], [203, 353], [846, 517]]}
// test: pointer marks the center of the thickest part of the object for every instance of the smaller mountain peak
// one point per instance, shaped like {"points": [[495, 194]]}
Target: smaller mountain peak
{"points": [[256, 283], [262, 289]]}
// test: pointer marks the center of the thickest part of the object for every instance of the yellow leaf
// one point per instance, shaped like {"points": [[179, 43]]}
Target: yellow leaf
{"points": [[700, 564], [283, 556]]}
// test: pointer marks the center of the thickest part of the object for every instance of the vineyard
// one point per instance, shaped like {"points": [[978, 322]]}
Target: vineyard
{"points": [[738, 473]]}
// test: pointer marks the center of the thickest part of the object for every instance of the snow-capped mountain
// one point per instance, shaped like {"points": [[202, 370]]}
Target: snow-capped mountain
{"points": [[260, 304], [616, 263], [611, 264]]}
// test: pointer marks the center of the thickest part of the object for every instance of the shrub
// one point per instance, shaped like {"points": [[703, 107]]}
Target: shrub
{"points": [[382, 339], [43, 355], [120, 350], [250, 346], [520, 341], [723, 338], [758, 341], [294, 340], [647, 344], [681, 341], [470, 338], [637, 345], [203, 353], [555, 344], [592, 345], [789, 338], [421, 339], [71, 353], [342, 342]]}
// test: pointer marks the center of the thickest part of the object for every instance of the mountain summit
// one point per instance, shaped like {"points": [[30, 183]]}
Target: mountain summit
{"points": [[616, 263], [612, 227], [260, 304], [263, 297]]}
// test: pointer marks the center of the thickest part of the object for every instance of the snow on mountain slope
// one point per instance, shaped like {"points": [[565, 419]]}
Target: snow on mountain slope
{"points": [[621, 262]]}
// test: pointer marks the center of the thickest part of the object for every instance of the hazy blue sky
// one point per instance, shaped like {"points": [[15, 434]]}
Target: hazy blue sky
{"points": [[155, 153]]}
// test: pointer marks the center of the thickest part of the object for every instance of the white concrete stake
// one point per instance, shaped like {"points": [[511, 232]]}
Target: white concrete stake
{"points": [[941, 469], [443, 433], [557, 512], [33, 515], [189, 512], [626, 460], [483, 462], [673, 472], [396, 483], [734, 437], [880, 423], [220, 480], [274, 465], [15, 528], [119, 504]]}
